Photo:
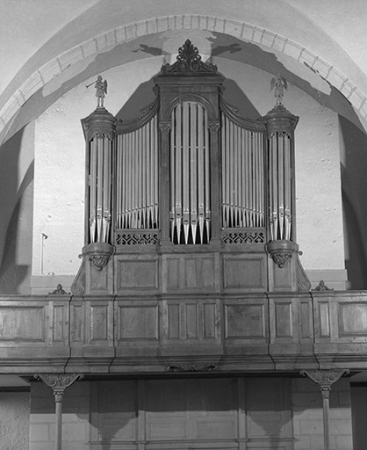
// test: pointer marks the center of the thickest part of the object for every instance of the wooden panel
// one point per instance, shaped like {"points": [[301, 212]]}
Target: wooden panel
{"points": [[191, 409], [59, 323], [77, 317], [244, 272], [283, 319], [353, 319], [268, 409], [244, 320], [210, 316], [191, 320], [166, 410], [98, 279], [191, 272], [137, 322], [324, 317], [305, 319], [117, 411], [99, 322], [137, 273], [22, 323]]}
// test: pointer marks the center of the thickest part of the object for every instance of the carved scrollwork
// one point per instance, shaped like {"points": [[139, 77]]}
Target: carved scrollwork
{"points": [[58, 381], [325, 378], [188, 60]]}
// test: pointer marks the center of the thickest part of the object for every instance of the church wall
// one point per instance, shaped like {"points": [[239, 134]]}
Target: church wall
{"points": [[182, 413], [14, 420]]}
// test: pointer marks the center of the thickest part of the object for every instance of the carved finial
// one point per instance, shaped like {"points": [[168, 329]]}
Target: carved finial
{"points": [[189, 61], [279, 83], [322, 287], [58, 291]]}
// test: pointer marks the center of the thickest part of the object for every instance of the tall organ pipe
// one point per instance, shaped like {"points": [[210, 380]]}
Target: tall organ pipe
{"points": [[280, 125], [99, 135]]}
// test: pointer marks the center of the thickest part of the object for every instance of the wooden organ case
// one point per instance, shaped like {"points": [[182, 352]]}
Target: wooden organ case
{"points": [[189, 197]]}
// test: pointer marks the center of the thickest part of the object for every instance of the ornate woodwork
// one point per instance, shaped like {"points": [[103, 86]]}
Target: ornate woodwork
{"points": [[192, 183]]}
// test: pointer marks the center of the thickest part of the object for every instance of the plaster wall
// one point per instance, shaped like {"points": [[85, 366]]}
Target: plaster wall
{"points": [[60, 165], [14, 420]]}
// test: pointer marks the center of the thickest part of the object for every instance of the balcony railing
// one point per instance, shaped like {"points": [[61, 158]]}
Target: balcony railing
{"points": [[267, 332]]}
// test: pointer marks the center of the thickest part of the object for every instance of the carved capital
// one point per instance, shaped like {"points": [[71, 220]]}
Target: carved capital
{"points": [[165, 127], [58, 382], [325, 378], [214, 126]]}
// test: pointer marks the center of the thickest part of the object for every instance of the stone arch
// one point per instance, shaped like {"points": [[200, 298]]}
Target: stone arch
{"points": [[240, 30]]}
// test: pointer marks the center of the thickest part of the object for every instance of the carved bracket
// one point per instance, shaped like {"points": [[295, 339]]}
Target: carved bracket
{"points": [[99, 254], [325, 378], [281, 251], [58, 382]]}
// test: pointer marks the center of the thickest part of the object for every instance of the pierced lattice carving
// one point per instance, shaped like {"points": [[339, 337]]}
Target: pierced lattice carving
{"points": [[243, 237], [137, 239]]}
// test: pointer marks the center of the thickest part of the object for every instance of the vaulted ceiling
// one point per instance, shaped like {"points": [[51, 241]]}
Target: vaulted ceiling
{"points": [[49, 47]]}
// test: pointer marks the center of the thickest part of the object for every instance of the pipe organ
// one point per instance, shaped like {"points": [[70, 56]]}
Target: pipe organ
{"points": [[189, 195], [190, 174]]}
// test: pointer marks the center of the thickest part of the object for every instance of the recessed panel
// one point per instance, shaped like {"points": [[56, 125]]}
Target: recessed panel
{"points": [[137, 274], [244, 321], [138, 322], [22, 323], [353, 319], [244, 272]]}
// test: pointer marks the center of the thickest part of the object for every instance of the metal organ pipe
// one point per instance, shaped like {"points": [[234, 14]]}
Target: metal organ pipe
{"points": [[100, 188], [137, 178], [242, 176], [190, 182], [280, 187]]}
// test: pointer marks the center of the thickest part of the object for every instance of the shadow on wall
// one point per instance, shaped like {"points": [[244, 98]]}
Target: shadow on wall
{"points": [[354, 187], [144, 95], [16, 205]]}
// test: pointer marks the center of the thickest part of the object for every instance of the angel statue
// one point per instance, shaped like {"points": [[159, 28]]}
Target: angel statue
{"points": [[279, 83], [101, 90]]}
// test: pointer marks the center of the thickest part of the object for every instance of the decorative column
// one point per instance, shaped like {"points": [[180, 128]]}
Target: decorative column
{"points": [[288, 273], [58, 383], [280, 125], [99, 132], [325, 379]]}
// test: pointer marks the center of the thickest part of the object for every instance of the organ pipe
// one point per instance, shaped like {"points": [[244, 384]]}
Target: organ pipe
{"points": [[137, 178], [280, 125], [99, 133], [190, 168], [242, 176]]}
